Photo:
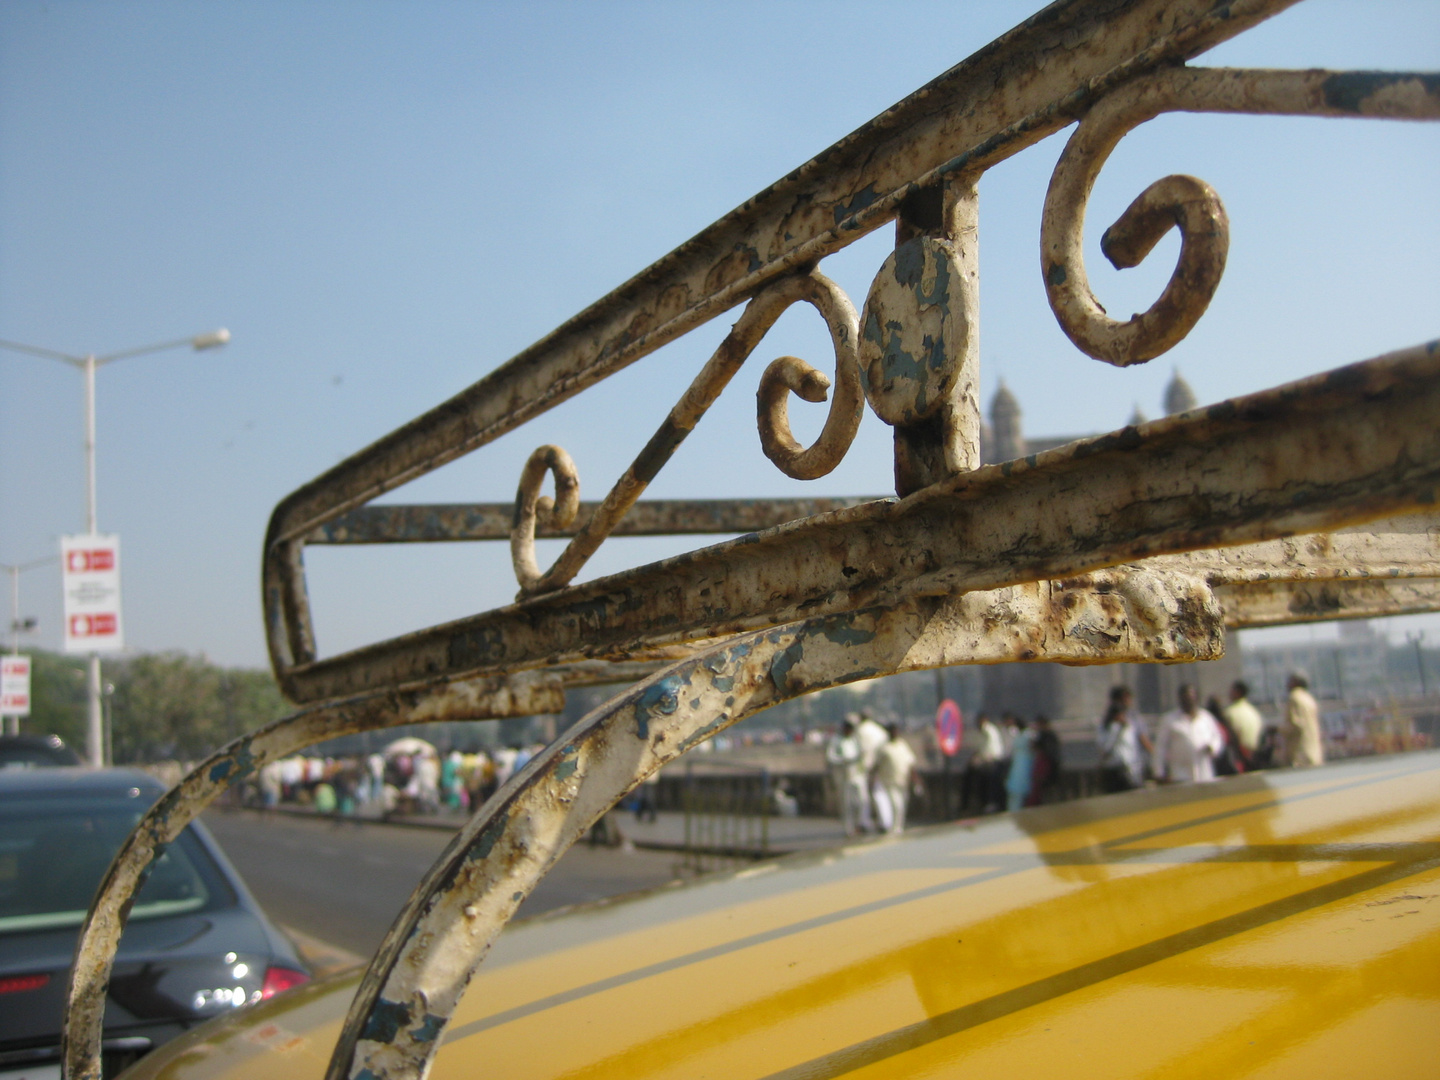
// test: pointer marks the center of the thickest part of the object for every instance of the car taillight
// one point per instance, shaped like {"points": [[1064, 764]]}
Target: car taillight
{"points": [[281, 978], [13, 984]]}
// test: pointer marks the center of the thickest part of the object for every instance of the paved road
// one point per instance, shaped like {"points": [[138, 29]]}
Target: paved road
{"points": [[344, 883]]}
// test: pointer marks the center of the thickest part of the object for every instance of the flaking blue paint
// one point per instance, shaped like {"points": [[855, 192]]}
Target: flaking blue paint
{"points": [[1349, 90], [486, 841], [843, 633], [385, 1021], [662, 697], [859, 201], [782, 663]]}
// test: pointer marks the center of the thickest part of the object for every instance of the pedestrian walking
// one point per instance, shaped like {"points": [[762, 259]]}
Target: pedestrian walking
{"points": [[894, 770], [1245, 720], [842, 755], [1303, 745], [1018, 776], [1045, 766], [1187, 742], [1122, 751], [984, 771], [871, 736]]}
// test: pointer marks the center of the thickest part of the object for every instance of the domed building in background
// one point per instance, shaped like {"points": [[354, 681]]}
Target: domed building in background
{"points": [[1002, 438], [1007, 438], [1178, 396]]}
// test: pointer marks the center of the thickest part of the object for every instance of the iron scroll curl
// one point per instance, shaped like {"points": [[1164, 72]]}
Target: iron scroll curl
{"points": [[783, 375], [1183, 201], [530, 505], [790, 374]]}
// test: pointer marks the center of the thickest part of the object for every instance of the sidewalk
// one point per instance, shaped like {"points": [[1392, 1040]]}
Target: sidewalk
{"points": [[783, 835]]}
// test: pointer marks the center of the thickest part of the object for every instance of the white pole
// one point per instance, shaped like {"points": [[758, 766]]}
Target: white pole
{"points": [[12, 723], [14, 610], [95, 713], [90, 515], [95, 740]]}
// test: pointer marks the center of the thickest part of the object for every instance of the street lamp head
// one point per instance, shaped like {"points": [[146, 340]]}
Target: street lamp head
{"points": [[213, 340]]}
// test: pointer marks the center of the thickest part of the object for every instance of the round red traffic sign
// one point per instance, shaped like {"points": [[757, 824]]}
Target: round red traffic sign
{"points": [[949, 727]]}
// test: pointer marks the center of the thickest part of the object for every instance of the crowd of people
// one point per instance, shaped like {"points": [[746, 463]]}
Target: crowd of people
{"points": [[871, 765], [409, 777], [873, 771], [1016, 765]]}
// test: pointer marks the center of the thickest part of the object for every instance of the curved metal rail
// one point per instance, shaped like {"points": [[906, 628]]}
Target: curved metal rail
{"points": [[475, 699], [412, 987]]}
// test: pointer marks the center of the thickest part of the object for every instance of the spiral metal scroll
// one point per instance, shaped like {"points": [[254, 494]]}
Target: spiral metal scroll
{"points": [[1181, 201], [1184, 201], [754, 323], [530, 504], [790, 374]]}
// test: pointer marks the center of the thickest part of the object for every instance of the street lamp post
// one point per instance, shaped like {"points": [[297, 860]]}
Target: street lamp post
{"points": [[95, 741], [1417, 639]]}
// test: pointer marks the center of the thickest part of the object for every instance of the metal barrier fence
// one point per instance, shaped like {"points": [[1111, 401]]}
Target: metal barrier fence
{"points": [[727, 818], [1144, 545]]}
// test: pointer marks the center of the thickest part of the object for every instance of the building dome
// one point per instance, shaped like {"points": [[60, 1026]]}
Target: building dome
{"points": [[1007, 439], [1003, 405], [1178, 396]]}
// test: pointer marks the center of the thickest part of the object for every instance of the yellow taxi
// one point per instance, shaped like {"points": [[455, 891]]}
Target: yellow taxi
{"points": [[1271, 925]]}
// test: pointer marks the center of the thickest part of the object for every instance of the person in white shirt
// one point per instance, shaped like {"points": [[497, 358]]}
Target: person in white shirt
{"points": [[1188, 740], [871, 737], [842, 755], [894, 766], [1122, 744], [985, 771]]}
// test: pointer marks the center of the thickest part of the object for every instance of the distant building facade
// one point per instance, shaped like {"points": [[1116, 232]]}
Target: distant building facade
{"points": [[1354, 668]]}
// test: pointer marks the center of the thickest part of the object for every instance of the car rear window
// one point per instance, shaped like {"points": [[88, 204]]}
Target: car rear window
{"points": [[53, 855]]}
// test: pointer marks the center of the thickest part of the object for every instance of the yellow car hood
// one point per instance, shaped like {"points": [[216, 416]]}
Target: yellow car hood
{"points": [[1272, 925]]}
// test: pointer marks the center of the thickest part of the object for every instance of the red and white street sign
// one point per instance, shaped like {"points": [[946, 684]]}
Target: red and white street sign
{"points": [[949, 728], [91, 567], [14, 686]]}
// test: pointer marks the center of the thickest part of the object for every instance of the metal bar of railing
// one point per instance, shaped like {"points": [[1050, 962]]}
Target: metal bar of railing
{"points": [[1369, 445], [1050, 68]]}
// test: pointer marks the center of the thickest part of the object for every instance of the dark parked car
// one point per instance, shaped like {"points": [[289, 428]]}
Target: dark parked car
{"points": [[31, 751], [197, 944]]}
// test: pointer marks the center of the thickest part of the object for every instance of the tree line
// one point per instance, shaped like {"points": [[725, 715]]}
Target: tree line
{"points": [[162, 706]]}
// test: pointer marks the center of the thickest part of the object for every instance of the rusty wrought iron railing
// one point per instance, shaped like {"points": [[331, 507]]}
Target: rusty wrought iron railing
{"points": [[1141, 545]]}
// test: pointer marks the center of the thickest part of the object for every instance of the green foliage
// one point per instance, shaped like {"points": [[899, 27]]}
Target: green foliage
{"points": [[57, 698], [163, 705]]}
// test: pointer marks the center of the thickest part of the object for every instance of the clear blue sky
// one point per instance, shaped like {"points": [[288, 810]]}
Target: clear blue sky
{"points": [[384, 201]]}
